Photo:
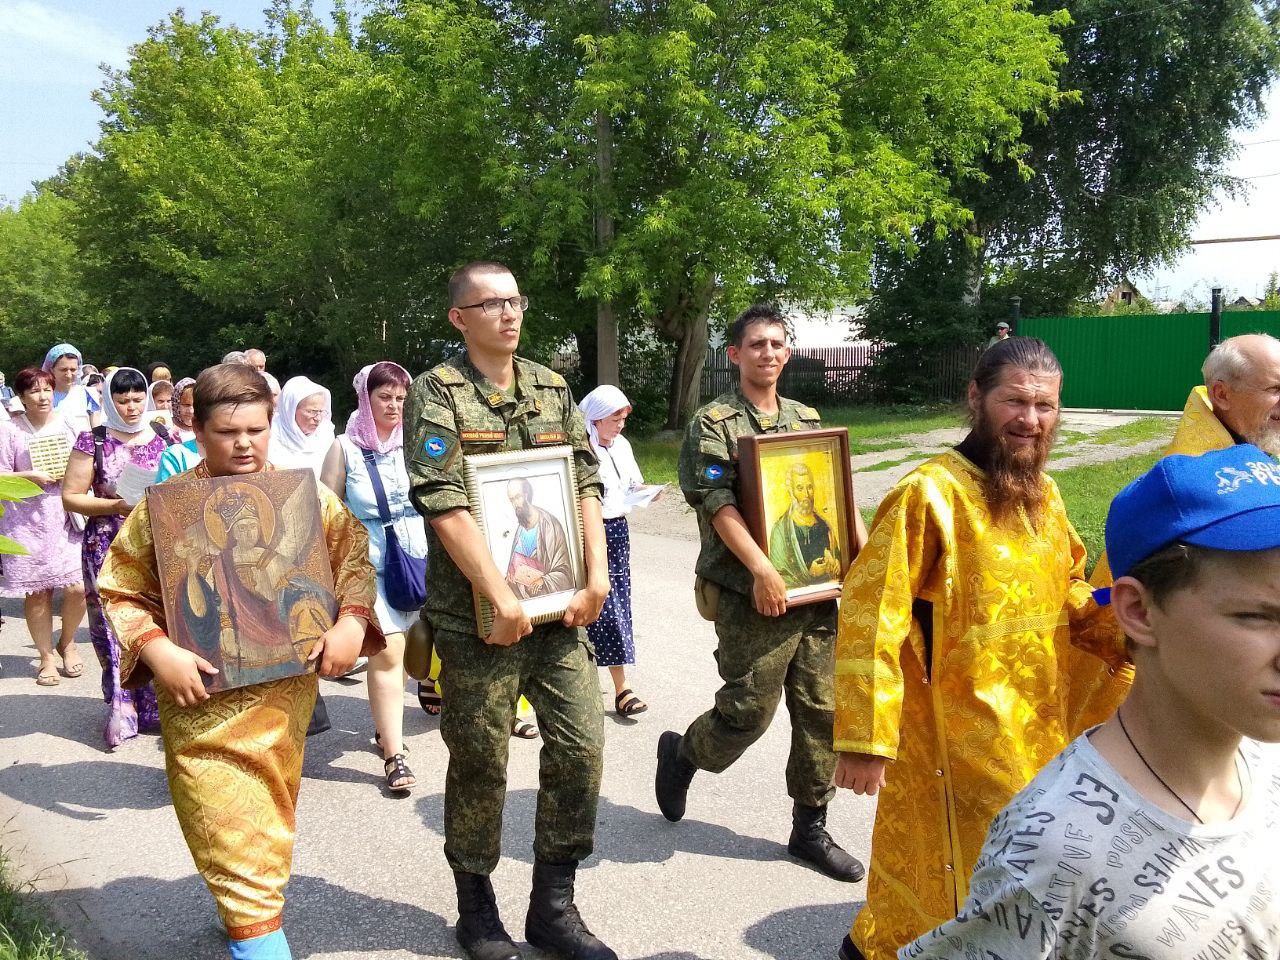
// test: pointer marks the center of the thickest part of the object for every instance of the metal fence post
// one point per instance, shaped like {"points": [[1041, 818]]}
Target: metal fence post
{"points": [[1215, 318], [1015, 314]]}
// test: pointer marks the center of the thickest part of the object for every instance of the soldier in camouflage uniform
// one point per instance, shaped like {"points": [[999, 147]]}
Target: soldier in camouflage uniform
{"points": [[487, 401], [764, 649]]}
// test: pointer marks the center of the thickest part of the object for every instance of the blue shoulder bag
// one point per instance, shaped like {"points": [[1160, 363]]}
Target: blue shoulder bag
{"points": [[403, 577]]}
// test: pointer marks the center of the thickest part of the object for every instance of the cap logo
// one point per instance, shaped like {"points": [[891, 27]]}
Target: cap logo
{"points": [[1263, 471]]}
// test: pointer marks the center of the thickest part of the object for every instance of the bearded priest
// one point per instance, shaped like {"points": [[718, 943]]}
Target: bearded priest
{"points": [[954, 652]]}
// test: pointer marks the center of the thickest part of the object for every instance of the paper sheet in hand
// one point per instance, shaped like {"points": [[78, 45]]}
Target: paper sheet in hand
{"points": [[642, 496], [133, 483], [49, 454]]}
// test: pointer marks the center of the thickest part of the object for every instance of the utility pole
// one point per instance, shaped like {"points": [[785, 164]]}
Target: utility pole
{"points": [[606, 321]]}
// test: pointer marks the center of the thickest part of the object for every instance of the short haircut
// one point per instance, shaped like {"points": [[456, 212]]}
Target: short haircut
{"points": [[386, 373], [1228, 363], [229, 383], [769, 313], [795, 470], [462, 279], [252, 351], [31, 377], [127, 380], [1021, 353], [235, 356], [162, 386]]}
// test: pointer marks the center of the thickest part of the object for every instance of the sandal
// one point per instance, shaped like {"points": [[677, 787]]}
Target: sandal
{"points": [[397, 771], [524, 730], [429, 698], [627, 704], [377, 742], [74, 669], [47, 677]]}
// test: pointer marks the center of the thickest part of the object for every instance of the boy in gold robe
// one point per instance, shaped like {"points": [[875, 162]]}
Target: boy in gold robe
{"points": [[954, 656], [234, 758]]}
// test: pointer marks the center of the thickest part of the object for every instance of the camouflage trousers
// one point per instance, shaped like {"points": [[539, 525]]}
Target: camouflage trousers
{"points": [[760, 658], [554, 667]]}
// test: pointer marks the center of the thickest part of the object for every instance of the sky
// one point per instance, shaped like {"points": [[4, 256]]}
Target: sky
{"points": [[52, 51]]}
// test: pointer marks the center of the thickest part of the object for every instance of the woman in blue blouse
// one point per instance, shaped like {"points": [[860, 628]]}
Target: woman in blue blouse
{"points": [[374, 441]]}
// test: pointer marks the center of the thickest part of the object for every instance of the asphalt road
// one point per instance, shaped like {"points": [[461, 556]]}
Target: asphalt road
{"points": [[95, 831]]}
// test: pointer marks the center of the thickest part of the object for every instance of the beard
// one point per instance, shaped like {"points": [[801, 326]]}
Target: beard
{"points": [[1015, 476], [1266, 437]]}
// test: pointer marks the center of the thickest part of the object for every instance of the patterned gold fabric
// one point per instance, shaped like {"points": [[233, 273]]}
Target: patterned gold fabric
{"points": [[970, 705], [235, 761], [1098, 691]]}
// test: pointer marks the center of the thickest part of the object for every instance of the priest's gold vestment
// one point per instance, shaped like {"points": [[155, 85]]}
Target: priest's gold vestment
{"points": [[234, 762], [952, 660], [1097, 691]]}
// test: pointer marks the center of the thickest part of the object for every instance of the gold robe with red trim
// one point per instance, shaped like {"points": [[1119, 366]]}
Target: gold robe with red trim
{"points": [[953, 660], [234, 762]]}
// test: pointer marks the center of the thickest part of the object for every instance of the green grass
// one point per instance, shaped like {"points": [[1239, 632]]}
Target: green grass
{"points": [[1139, 431], [26, 933], [1087, 491], [916, 457]]}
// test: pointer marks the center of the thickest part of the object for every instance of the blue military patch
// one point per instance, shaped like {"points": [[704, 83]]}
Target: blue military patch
{"points": [[713, 472], [434, 447]]}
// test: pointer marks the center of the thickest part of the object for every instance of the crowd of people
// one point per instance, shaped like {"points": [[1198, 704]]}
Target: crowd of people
{"points": [[1065, 767]]}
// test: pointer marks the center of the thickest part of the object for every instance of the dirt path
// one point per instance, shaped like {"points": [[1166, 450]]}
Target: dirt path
{"points": [[672, 517]]}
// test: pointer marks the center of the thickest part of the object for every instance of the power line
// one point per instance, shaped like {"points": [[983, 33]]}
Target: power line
{"points": [[1120, 16]]}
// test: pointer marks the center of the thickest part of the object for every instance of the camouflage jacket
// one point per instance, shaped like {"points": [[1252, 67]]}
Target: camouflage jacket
{"points": [[709, 471], [453, 411]]}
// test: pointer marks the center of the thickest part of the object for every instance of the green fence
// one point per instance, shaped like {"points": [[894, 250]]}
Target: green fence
{"points": [[1140, 361]]}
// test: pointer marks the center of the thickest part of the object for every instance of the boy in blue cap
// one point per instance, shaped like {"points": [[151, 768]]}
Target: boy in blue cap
{"points": [[1157, 834]]}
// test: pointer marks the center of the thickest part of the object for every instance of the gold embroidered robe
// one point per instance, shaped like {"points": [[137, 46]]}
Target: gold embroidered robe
{"points": [[1098, 691], [234, 762], [968, 705]]}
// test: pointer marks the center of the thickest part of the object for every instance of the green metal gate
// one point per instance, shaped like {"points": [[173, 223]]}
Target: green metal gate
{"points": [[1137, 361]]}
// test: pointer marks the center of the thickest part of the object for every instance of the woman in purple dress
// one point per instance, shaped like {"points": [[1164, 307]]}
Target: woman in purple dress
{"points": [[42, 526], [89, 488]]}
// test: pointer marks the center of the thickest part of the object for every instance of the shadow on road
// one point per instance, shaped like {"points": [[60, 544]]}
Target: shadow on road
{"points": [[143, 918], [78, 718], [623, 834], [792, 932], [86, 789]]}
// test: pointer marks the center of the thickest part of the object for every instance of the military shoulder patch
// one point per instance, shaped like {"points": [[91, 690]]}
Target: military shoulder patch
{"points": [[434, 447], [713, 471], [808, 413], [720, 411], [549, 378], [448, 375]]}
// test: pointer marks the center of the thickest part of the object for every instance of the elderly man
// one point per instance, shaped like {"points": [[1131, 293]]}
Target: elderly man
{"points": [[1238, 403], [952, 661], [256, 359]]}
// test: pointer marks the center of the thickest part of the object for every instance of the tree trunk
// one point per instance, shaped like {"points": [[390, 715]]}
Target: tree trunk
{"points": [[975, 268], [686, 371]]}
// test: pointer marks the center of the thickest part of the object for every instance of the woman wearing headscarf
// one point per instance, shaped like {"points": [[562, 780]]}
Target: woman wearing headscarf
{"points": [[184, 409], [302, 431], [42, 526], [97, 461], [70, 398], [369, 458], [184, 452], [605, 409]]}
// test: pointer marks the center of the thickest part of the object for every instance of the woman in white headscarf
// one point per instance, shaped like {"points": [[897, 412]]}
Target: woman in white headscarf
{"points": [[605, 409], [302, 431], [89, 488]]}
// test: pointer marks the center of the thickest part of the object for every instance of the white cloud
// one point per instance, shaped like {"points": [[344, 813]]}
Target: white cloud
{"points": [[44, 43]]}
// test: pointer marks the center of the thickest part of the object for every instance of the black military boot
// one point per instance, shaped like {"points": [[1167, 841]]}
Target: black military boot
{"points": [[553, 923], [811, 843], [671, 782], [480, 930]]}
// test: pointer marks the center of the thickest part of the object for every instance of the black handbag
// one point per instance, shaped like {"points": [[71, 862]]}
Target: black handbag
{"points": [[403, 577]]}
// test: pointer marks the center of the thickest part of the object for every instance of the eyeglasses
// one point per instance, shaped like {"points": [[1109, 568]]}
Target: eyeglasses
{"points": [[493, 307]]}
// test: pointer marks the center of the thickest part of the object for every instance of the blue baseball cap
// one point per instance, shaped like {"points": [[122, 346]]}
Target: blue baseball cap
{"points": [[1225, 500]]}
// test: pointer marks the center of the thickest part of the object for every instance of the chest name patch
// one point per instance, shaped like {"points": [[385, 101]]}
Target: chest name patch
{"points": [[482, 436], [553, 436]]}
